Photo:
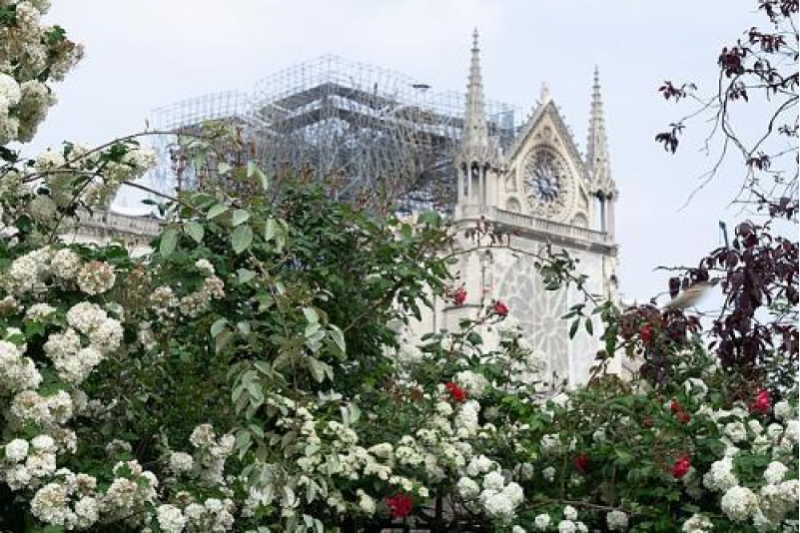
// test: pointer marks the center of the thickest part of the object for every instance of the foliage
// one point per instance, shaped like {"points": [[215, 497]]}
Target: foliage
{"points": [[251, 373]]}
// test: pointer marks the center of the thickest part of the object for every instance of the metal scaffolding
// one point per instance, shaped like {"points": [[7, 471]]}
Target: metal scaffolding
{"points": [[378, 132]]}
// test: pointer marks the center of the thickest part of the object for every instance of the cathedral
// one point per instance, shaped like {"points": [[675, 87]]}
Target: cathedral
{"points": [[538, 190], [526, 181]]}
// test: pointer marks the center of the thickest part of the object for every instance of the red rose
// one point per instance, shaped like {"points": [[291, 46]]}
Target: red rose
{"points": [[581, 462], [676, 406], [500, 309], [400, 505], [681, 467], [647, 334], [683, 417], [456, 392], [460, 296], [763, 402]]}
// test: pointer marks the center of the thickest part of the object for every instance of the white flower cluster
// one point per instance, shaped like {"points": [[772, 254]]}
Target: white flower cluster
{"points": [[180, 462], [32, 49], [721, 476], [408, 355], [617, 521], [29, 406], [551, 445], [739, 503], [474, 383], [570, 523], [523, 364], [73, 361], [197, 302], [96, 277], [211, 453], [71, 503], [27, 464], [498, 499], [164, 302], [698, 523], [214, 515], [108, 172], [28, 273], [17, 372], [768, 505], [34, 271], [132, 491]]}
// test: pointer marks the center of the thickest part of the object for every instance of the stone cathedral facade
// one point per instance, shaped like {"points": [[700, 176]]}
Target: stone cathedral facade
{"points": [[540, 190]]}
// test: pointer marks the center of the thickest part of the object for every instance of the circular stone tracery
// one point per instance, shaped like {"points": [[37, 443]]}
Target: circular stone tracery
{"points": [[547, 182]]}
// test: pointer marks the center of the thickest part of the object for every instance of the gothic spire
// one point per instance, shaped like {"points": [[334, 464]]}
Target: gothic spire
{"points": [[475, 137], [597, 144]]}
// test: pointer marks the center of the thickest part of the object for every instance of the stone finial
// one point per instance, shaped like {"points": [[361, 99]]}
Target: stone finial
{"points": [[544, 95], [476, 134], [597, 158]]}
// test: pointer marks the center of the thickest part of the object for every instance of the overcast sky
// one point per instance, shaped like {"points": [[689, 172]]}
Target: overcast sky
{"points": [[142, 54]]}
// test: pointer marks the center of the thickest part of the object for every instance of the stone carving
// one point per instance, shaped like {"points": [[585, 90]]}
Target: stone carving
{"points": [[539, 312]]}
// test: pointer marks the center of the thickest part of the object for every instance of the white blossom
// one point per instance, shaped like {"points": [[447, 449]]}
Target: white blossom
{"points": [[170, 519], [467, 488], [567, 526], [739, 503], [16, 450], [697, 524], [783, 410], [493, 481], [617, 520], [180, 462], [775, 472], [541, 522]]}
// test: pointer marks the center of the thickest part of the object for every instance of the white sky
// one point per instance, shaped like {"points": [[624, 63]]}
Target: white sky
{"points": [[142, 54]]}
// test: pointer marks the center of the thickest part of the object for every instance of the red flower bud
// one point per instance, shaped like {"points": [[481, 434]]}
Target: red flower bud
{"points": [[681, 467], [647, 334], [581, 462], [676, 406], [763, 402], [400, 505], [460, 296], [500, 309], [683, 417], [457, 393]]}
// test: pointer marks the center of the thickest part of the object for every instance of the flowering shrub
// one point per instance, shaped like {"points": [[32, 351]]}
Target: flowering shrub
{"points": [[250, 374]]}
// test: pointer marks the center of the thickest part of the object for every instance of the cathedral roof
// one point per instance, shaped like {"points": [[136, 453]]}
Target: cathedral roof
{"points": [[544, 109]]}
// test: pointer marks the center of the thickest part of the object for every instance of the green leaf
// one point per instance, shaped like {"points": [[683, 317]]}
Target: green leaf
{"points": [[216, 211], [589, 325], [256, 430], [338, 338], [255, 391], [311, 315], [223, 168], [245, 275], [263, 367], [316, 368], [241, 239], [573, 329], [252, 168], [240, 216], [195, 230], [218, 326], [270, 230], [311, 330], [169, 240], [474, 338]]}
